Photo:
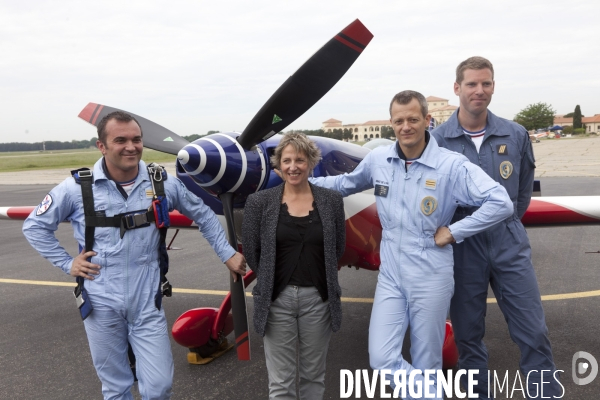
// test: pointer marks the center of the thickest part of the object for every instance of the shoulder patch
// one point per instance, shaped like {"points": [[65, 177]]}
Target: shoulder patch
{"points": [[44, 205]]}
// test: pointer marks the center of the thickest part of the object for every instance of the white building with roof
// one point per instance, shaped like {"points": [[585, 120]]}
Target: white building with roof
{"points": [[440, 109], [361, 131]]}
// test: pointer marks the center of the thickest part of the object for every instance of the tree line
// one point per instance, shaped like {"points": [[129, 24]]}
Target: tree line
{"points": [[339, 134], [48, 145]]}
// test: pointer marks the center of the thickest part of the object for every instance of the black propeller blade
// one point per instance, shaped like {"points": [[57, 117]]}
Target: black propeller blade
{"points": [[303, 89], [238, 295], [155, 136]]}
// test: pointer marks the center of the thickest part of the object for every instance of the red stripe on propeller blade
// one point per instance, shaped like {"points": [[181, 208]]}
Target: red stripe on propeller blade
{"points": [[357, 31], [87, 113]]}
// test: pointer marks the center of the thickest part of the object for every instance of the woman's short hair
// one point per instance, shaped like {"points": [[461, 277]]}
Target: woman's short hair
{"points": [[302, 144]]}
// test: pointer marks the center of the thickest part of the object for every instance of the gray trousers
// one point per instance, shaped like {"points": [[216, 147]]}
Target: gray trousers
{"points": [[297, 318]]}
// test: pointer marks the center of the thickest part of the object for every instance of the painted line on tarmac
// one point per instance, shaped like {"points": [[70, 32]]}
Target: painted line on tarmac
{"points": [[563, 296], [548, 297], [41, 283]]}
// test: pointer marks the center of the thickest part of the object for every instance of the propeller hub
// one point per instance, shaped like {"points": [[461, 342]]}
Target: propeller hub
{"points": [[218, 164]]}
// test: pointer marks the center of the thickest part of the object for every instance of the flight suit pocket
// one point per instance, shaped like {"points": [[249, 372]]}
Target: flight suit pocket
{"points": [[427, 242], [517, 232], [384, 191], [428, 210]]}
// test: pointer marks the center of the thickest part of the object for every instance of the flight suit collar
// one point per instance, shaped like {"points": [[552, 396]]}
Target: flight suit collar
{"points": [[431, 155], [99, 172], [427, 157], [457, 130]]}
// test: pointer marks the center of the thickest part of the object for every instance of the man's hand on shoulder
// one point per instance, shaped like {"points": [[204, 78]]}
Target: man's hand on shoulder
{"points": [[82, 267], [443, 236], [237, 265]]}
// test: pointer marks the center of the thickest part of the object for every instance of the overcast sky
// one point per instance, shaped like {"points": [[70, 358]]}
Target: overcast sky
{"points": [[194, 66]]}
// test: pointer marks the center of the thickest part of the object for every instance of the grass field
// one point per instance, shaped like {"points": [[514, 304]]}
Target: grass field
{"points": [[36, 160]]}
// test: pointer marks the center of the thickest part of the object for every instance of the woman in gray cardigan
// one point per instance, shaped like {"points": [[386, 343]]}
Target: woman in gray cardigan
{"points": [[293, 236]]}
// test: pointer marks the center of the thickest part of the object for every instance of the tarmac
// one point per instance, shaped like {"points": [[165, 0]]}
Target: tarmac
{"points": [[44, 351], [566, 157]]}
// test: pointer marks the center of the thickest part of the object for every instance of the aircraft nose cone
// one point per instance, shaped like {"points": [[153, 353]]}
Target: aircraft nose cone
{"points": [[218, 164], [195, 157], [183, 156]]}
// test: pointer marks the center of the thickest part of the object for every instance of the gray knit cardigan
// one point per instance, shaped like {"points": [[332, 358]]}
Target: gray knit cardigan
{"points": [[261, 215]]}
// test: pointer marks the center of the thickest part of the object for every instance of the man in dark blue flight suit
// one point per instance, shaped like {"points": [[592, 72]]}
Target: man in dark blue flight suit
{"points": [[500, 256]]}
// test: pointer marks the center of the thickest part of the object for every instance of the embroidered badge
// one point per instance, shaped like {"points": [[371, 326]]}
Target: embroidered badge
{"points": [[149, 193], [381, 190], [44, 205], [506, 169], [430, 183], [503, 149], [428, 205]]}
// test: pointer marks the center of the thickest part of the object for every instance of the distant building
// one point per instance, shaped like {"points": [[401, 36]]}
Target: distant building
{"points": [[363, 131], [592, 124], [440, 109], [562, 121]]}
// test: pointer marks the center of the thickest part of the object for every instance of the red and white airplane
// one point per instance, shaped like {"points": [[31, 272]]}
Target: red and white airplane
{"points": [[224, 168], [535, 137]]}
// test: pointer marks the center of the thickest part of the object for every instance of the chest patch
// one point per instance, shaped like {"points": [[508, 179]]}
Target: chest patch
{"points": [[381, 190], [430, 184], [44, 205], [149, 193], [503, 149], [506, 169], [428, 205]]}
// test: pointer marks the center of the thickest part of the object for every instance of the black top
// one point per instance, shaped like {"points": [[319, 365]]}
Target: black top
{"points": [[299, 254]]}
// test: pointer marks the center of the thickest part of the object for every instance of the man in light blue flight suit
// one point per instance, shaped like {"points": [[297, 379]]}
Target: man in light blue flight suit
{"points": [[122, 276], [417, 189], [500, 256]]}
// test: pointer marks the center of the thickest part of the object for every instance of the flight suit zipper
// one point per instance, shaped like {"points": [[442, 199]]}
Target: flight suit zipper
{"points": [[416, 202], [130, 315], [488, 233], [402, 207], [493, 161]]}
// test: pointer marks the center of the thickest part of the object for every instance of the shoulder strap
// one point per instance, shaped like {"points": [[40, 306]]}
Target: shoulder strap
{"points": [[161, 213], [85, 180], [83, 176]]}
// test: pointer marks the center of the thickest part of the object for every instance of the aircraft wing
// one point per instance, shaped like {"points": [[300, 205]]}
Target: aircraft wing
{"points": [[542, 211]]}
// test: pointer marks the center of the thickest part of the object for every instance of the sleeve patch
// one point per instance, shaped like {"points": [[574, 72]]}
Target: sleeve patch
{"points": [[44, 205]]}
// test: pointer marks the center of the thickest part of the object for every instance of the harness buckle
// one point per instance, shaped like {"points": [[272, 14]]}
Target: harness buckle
{"points": [[85, 173], [133, 221], [166, 289]]}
